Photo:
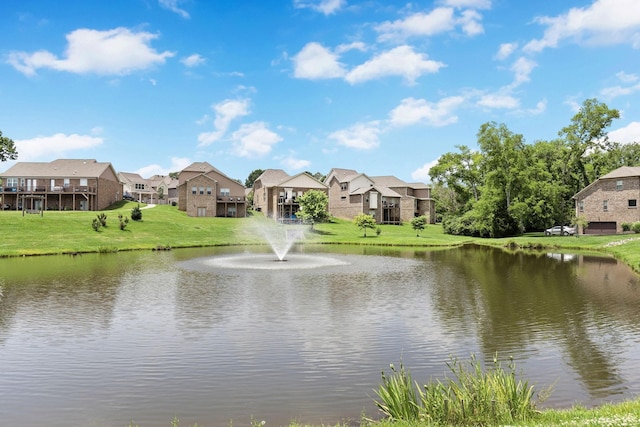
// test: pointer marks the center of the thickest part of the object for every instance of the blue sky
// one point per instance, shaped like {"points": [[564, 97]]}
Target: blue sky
{"points": [[383, 87]]}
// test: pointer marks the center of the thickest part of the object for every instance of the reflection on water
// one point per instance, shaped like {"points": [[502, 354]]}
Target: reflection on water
{"points": [[100, 340]]}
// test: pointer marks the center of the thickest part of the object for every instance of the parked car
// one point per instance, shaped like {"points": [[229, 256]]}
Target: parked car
{"points": [[129, 198], [6, 207], [559, 230]]}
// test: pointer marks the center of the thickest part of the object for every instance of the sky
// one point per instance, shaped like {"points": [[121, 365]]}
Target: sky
{"points": [[382, 87]]}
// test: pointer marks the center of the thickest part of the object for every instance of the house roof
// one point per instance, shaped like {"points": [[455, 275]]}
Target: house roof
{"points": [[389, 181], [384, 191], [303, 179], [272, 177], [623, 172], [61, 168], [343, 175], [130, 177]]}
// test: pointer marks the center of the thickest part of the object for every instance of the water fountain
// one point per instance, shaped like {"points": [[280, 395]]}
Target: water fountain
{"points": [[281, 239]]}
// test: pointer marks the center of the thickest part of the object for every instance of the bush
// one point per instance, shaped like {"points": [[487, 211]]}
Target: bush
{"points": [[96, 224], [626, 226], [102, 217], [136, 213], [636, 227], [123, 221], [472, 397]]}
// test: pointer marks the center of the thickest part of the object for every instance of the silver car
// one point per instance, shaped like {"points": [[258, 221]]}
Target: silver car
{"points": [[559, 230]]}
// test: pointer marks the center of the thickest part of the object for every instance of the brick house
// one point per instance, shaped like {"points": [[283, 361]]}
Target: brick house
{"points": [[610, 201], [205, 191], [388, 199], [148, 190], [63, 184], [275, 193]]}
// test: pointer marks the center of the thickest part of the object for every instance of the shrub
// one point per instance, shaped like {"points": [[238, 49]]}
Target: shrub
{"points": [[136, 213], [123, 221], [636, 227], [626, 226], [96, 224], [102, 217], [378, 231], [472, 397]]}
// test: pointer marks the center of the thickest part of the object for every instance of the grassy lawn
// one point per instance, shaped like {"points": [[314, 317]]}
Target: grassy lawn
{"points": [[166, 227]]}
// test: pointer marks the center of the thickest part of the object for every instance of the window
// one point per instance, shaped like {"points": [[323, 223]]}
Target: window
{"points": [[343, 186], [581, 205], [83, 182], [209, 191], [202, 190], [139, 186], [12, 182], [194, 190], [633, 203], [605, 205], [225, 192], [619, 185]]}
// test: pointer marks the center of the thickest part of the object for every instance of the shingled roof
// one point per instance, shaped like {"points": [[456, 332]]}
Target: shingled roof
{"points": [[61, 168]]}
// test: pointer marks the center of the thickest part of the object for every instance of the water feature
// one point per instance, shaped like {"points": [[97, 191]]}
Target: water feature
{"points": [[109, 339]]}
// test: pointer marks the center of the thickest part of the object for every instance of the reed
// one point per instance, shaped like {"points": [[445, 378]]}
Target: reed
{"points": [[471, 396]]}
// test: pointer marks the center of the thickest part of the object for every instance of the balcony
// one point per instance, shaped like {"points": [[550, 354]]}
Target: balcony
{"points": [[49, 190]]}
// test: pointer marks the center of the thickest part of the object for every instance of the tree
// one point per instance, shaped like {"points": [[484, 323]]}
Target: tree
{"points": [[160, 193], [174, 175], [418, 224], [313, 206], [248, 183], [587, 132], [364, 221], [7, 149]]}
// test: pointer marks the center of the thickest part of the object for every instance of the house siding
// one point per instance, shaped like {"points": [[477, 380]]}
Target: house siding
{"points": [[592, 200]]}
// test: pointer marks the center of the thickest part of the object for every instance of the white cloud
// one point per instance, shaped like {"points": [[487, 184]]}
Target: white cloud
{"points": [[399, 61], [59, 145], [254, 140], [470, 4], [505, 50], [326, 7], [522, 68], [625, 78], [291, 163], [226, 111], [172, 5], [497, 100], [361, 136], [315, 62], [627, 134], [412, 111], [603, 22], [540, 108], [422, 173], [439, 20], [119, 51], [470, 23], [193, 60], [351, 46], [177, 164]]}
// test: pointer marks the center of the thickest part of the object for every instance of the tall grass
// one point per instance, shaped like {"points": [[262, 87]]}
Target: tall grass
{"points": [[472, 396]]}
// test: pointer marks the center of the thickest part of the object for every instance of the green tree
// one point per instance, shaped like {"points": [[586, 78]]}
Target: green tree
{"points": [[418, 223], [7, 149], [461, 173], [248, 183], [313, 206], [174, 175], [364, 221], [585, 133], [160, 193]]}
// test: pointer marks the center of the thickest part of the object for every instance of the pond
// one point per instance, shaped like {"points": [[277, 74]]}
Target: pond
{"points": [[107, 339]]}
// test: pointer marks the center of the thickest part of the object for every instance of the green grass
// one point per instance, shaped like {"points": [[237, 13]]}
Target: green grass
{"points": [[166, 227]]}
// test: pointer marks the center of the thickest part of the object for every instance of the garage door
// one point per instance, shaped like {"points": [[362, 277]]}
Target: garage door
{"points": [[601, 228]]}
